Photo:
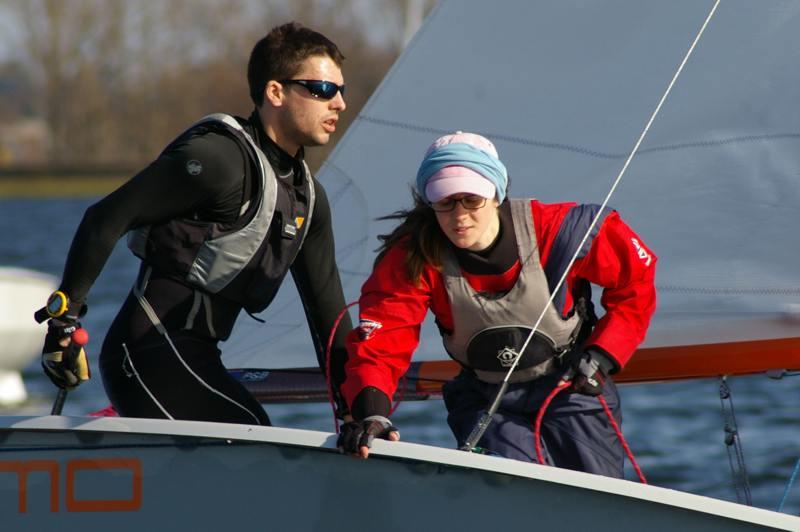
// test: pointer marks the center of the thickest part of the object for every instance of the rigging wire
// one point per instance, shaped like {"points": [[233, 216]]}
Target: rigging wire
{"points": [[796, 470], [733, 445], [485, 420], [789, 485]]}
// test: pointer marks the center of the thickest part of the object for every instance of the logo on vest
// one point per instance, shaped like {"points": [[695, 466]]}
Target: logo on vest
{"points": [[641, 252], [194, 167], [254, 376], [366, 328], [506, 356]]}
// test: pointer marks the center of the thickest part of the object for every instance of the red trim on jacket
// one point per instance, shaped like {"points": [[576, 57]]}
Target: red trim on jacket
{"points": [[392, 308]]}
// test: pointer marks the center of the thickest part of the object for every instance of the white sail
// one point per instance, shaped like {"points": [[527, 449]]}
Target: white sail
{"points": [[564, 89]]}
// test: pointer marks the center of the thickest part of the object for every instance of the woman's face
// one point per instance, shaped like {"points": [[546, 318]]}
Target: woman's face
{"points": [[472, 229]]}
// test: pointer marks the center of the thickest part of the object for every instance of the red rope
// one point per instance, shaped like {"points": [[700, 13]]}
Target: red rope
{"points": [[621, 438], [401, 393], [328, 363], [537, 428]]}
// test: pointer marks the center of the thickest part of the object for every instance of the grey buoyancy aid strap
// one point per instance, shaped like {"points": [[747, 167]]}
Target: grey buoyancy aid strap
{"points": [[201, 298], [139, 287], [311, 201], [194, 311], [525, 232], [220, 259], [309, 186], [209, 317]]}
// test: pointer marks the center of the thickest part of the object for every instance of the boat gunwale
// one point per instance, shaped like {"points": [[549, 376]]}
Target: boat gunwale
{"points": [[405, 451]]}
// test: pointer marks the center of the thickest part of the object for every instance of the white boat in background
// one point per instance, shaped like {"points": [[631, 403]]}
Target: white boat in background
{"points": [[22, 292], [563, 88], [63, 473]]}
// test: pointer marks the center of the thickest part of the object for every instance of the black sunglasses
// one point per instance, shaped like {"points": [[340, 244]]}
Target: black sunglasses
{"points": [[325, 90]]}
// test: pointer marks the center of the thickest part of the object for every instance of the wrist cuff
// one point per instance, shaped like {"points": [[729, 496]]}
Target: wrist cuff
{"points": [[371, 402], [607, 364]]}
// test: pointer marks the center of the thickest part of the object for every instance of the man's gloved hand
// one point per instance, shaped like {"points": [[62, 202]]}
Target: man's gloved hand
{"points": [[63, 359], [588, 371], [356, 436]]}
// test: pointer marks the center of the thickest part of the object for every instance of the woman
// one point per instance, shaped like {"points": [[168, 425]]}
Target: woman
{"points": [[486, 266]]}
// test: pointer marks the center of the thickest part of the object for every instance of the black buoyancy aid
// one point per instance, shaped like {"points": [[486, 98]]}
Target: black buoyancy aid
{"points": [[229, 260]]}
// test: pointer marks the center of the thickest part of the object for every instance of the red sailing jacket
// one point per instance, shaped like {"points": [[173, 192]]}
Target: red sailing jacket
{"points": [[392, 308]]}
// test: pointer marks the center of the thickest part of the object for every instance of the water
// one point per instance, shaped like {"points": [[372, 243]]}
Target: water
{"points": [[675, 430]]}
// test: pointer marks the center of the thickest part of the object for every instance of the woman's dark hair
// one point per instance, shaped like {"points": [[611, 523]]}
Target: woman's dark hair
{"points": [[280, 54], [420, 234]]}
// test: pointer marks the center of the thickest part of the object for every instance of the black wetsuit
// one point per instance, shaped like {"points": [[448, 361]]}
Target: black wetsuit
{"points": [[145, 376]]}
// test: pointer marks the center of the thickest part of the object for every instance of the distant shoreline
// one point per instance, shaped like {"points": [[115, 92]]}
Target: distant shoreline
{"points": [[53, 186]]}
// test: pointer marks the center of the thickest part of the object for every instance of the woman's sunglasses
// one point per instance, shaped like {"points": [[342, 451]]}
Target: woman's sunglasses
{"points": [[325, 90], [471, 203]]}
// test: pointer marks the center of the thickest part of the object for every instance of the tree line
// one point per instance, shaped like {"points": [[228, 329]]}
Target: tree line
{"points": [[115, 80]]}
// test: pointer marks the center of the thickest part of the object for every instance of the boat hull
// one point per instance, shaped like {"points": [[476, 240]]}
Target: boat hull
{"points": [[124, 474]]}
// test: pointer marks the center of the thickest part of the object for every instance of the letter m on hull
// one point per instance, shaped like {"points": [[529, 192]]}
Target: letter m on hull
{"points": [[22, 469]]}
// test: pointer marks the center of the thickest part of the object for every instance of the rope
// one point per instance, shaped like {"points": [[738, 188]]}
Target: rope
{"points": [[401, 393], [622, 440], [733, 443], [328, 380], [537, 428], [537, 425]]}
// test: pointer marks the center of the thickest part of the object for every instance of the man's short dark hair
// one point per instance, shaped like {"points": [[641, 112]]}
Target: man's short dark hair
{"points": [[281, 52]]}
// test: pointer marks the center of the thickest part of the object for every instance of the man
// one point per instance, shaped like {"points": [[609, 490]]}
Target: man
{"points": [[218, 219]]}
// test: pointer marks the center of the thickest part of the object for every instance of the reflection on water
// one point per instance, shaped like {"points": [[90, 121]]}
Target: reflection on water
{"points": [[675, 429]]}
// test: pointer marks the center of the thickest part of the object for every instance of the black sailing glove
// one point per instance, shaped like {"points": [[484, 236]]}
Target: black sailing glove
{"points": [[66, 366], [63, 358], [358, 434], [588, 370]]}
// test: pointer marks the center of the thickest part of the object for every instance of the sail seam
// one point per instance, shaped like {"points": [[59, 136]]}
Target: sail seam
{"points": [[733, 291], [586, 151]]}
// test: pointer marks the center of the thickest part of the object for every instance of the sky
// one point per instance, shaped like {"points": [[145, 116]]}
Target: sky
{"points": [[5, 27], [8, 33]]}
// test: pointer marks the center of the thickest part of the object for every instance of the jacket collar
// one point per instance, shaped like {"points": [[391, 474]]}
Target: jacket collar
{"points": [[283, 163]]}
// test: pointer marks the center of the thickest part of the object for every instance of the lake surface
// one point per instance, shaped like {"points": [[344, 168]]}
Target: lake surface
{"points": [[674, 429]]}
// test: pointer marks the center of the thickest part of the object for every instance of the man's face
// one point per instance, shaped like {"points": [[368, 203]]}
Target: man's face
{"points": [[306, 120]]}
